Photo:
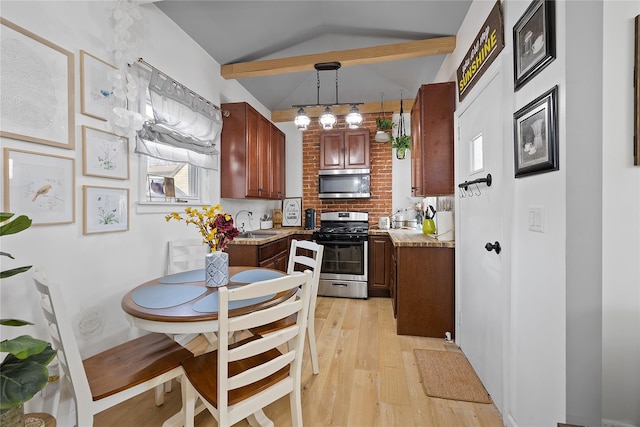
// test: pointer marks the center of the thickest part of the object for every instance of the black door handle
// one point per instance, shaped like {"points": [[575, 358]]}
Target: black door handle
{"points": [[493, 246]]}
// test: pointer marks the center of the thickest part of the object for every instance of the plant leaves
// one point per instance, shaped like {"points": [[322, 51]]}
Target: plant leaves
{"points": [[19, 382], [16, 225], [13, 272], [7, 254], [14, 322], [23, 346]]}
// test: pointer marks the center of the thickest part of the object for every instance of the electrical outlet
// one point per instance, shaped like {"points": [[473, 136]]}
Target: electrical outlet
{"points": [[536, 218]]}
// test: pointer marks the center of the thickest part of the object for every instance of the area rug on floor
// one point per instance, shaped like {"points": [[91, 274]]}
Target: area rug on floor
{"points": [[449, 375]]}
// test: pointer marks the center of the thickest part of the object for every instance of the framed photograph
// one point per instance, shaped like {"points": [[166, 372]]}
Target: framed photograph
{"points": [[156, 187], [104, 154], [40, 186], [96, 89], [636, 96], [37, 100], [292, 212], [534, 41], [105, 209], [169, 187], [536, 135]]}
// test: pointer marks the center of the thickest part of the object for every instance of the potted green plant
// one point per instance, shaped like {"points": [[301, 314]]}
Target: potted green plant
{"points": [[23, 371], [383, 127], [401, 143]]}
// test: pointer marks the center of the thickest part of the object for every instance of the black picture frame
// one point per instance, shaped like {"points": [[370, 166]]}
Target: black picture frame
{"points": [[536, 135], [534, 41]]}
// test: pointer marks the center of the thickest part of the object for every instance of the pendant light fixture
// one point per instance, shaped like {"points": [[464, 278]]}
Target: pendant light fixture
{"points": [[328, 119]]}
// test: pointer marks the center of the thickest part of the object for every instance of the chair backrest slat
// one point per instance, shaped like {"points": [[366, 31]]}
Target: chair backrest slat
{"points": [[265, 348]]}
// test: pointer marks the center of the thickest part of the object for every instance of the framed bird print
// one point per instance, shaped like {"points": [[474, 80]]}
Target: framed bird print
{"points": [[97, 95], [40, 186], [105, 209]]}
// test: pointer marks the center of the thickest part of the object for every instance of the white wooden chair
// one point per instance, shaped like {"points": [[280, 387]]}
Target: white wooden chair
{"points": [[187, 254], [114, 375], [307, 254], [239, 379]]}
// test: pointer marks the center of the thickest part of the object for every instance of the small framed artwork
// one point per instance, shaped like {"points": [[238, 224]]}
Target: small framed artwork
{"points": [[97, 94], [37, 100], [169, 187], [104, 154], [534, 41], [536, 135], [292, 212], [105, 209], [40, 186], [155, 188]]}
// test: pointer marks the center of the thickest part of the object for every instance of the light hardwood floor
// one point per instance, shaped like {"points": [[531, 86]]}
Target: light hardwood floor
{"points": [[368, 377]]}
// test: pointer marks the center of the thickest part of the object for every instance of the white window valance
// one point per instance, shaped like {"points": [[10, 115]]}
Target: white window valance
{"points": [[184, 127]]}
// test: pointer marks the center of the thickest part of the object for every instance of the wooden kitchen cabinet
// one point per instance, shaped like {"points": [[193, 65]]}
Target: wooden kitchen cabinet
{"points": [[268, 255], [345, 149], [424, 289], [252, 155], [380, 258], [432, 163]]}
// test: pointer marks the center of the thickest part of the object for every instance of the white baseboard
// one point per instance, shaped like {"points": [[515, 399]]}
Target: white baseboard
{"points": [[614, 423]]}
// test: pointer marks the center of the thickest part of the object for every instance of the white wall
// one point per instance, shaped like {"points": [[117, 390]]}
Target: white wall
{"points": [[621, 222], [555, 351]]}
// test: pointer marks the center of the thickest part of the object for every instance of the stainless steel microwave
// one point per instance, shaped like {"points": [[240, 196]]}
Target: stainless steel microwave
{"points": [[344, 184]]}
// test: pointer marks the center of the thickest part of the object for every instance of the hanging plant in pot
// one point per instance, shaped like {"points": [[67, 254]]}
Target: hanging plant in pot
{"points": [[402, 142], [384, 126], [24, 370]]}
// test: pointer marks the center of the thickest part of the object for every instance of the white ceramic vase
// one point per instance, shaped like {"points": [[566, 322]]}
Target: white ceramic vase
{"points": [[216, 269]]}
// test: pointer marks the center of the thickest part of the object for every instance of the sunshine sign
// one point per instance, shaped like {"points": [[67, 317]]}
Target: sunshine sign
{"points": [[486, 46]]}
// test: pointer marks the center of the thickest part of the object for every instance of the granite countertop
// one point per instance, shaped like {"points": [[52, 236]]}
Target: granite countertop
{"points": [[400, 238], [412, 238], [269, 235]]}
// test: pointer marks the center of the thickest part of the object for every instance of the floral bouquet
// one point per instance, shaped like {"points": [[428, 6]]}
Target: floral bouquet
{"points": [[216, 227]]}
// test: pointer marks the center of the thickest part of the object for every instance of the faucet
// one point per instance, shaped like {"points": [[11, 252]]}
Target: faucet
{"points": [[250, 215]]}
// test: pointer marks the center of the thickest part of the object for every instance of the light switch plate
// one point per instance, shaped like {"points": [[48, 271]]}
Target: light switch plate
{"points": [[536, 218]]}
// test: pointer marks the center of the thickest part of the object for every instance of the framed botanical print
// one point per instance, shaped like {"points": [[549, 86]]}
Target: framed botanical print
{"points": [[534, 41], [105, 209], [536, 135], [97, 95], [37, 77], [39, 185], [104, 154]]}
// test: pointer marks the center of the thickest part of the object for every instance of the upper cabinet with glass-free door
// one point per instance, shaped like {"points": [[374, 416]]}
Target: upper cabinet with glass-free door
{"points": [[345, 149], [252, 155], [432, 172]]}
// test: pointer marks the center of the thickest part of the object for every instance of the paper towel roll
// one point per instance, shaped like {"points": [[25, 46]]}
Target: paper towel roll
{"points": [[444, 225]]}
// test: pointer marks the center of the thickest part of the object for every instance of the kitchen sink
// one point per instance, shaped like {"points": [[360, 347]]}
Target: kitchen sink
{"points": [[258, 234]]}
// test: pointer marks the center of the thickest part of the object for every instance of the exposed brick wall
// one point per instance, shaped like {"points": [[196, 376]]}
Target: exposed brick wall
{"points": [[381, 163]]}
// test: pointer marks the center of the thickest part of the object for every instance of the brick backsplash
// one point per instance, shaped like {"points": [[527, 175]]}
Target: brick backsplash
{"points": [[380, 155]]}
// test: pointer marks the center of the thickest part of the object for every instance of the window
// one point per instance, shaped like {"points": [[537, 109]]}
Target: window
{"points": [[185, 176], [178, 139]]}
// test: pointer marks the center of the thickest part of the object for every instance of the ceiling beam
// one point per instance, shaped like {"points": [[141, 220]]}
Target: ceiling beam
{"points": [[367, 55], [342, 110]]}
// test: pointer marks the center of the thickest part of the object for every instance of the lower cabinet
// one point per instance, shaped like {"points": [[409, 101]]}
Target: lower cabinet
{"points": [[380, 261], [268, 255], [424, 291]]}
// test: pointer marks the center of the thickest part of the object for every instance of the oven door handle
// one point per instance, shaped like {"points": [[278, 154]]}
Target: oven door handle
{"points": [[343, 285]]}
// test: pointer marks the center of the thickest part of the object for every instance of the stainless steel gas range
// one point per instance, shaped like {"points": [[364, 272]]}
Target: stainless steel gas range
{"points": [[345, 261]]}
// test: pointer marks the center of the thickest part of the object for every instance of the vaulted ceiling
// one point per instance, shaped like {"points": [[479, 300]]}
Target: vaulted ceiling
{"points": [[389, 47]]}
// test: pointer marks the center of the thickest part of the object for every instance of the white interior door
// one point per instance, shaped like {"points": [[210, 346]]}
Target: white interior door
{"points": [[480, 293]]}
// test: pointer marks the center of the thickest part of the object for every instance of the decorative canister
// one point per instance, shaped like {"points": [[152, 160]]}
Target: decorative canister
{"points": [[216, 269]]}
